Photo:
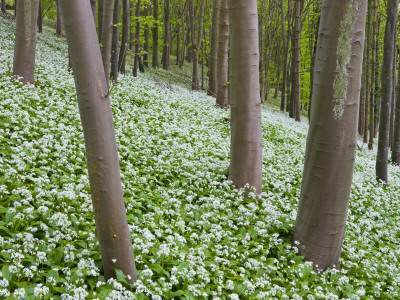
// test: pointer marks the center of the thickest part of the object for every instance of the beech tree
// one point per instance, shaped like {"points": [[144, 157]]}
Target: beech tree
{"points": [[106, 36], [387, 91], [246, 141], [101, 150], [25, 40], [3, 6], [332, 136], [212, 77], [222, 62], [115, 39], [125, 35], [154, 59]]}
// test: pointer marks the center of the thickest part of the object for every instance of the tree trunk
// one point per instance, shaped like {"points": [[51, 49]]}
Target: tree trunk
{"points": [[246, 140], [3, 6], [297, 34], [40, 18], [212, 70], [387, 86], [396, 134], [332, 136], [25, 41], [393, 101], [115, 40], [106, 36], [372, 93], [93, 4], [59, 30], [285, 57], [101, 150], [137, 38], [222, 60], [126, 17], [154, 61], [146, 39], [166, 36], [367, 77], [196, 41], [262, 46], [100, 17]]}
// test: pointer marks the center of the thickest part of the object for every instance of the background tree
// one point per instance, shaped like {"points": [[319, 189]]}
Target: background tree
{"points": [[106, 36], [332, 136], [115, 39], [246, 142], [165, 55], [25, 40], [212, 85], [387, 91], [154, 59], [222, 62], [195, 41], [125, 35], [101, 150]]}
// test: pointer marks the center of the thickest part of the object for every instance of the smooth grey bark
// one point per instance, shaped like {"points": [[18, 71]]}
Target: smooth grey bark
{"points": [[125, 35], [387, 93], [154, 59], [100, 16], [212, 70], [222, 62], [106, 36], [372, 111], [332, 136], [297, 38], [115, 39], [101, 149], [25, 40], [246, 140], [285, 56]]}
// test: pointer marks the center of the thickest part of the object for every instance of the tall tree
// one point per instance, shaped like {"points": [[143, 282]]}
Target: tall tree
{"points": [[212, 72], [115, 40], [137, 38], [296, 61], [285, 56], [125, 35], [373, 73], [387, 87], [25, 40], [101, 150], [222, 62], [93, 4], [246, 141], [165, 55], [146, 38], [196, 40], [396, 134], [332, 136], [100, 16], [59, 19], [154, 59], [106, 36], [40, 18], [3, 6]]}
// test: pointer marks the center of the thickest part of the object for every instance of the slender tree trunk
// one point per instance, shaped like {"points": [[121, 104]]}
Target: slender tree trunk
{"points": [[3, 6], [25, 41], [297, 34], [125, 35], [387, 86], [178, 42], [93, 4], [246, 141], [146, 39], [154, 61], [222, 60], [166, 36], [137, 38], [285, 57], [101, 150], [396, 134], [106, 36], [372, 94], [393, 101], [183, 46], [278, 80], [196, 41], [332, 137], [15, 8], [40, 18], [262, 46], [212, 70], [100, 17], [115, 40], [367, 77], [59, 30]]}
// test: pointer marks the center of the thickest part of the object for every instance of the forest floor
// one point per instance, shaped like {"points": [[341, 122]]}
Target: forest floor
{"points": [[194, 235]]}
